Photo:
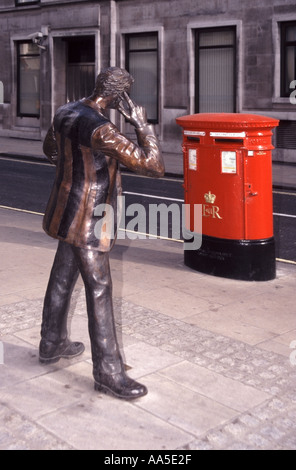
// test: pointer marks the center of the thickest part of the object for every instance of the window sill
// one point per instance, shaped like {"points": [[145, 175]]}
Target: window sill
{"points": [[280, 100]]}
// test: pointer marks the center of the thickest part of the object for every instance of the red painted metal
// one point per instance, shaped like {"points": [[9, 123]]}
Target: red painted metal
{"points": [[228, 169]]}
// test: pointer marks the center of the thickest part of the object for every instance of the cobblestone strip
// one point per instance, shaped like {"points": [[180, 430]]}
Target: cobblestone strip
{"points": [[271, 426], [20, 316], [250, 365]]}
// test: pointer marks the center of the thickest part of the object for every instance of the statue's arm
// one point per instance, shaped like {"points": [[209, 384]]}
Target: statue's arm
{"points": [[144, 158]]}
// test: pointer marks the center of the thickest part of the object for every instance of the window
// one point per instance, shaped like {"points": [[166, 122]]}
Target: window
{"points": [[215, 80], [28, 93], [80, 67], [286, 135], [142, 64], [288, 57]]}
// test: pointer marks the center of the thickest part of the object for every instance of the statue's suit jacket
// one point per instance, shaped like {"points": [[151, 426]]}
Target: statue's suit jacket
{"points": [[87, 150]]}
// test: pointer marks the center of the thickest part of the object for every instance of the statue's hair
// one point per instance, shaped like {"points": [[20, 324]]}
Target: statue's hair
{"points": [[112, 81]]}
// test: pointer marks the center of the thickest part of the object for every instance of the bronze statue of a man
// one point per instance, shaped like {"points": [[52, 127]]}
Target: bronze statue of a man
{"points": [[87, 150]]}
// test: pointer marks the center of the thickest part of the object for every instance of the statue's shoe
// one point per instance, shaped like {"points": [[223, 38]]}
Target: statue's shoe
{"points": [[120, 386], [49, 353]]}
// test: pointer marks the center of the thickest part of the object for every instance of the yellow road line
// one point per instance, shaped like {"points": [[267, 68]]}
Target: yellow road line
{"points": [[286, 261], [21, 210]]}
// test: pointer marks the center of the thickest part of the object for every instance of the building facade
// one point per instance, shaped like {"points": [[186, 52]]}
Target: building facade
{"points": [[186, 56]]}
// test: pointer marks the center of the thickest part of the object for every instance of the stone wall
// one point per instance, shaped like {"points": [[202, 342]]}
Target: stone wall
{"points": [[257, 51]]}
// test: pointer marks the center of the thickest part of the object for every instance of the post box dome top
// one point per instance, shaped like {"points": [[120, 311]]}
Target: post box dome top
{"points": [[226, 121]]}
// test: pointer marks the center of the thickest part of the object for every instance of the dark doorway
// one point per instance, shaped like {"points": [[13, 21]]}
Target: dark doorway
{"points": [[80, 67]]}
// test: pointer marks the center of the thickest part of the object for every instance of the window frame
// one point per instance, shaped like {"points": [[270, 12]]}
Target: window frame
{"points": [[128, 50], [18, 3], [19, 55], [197, 32], [285, 92]]}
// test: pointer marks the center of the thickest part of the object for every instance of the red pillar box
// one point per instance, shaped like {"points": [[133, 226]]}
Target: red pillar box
{"points": [[228, 170]]}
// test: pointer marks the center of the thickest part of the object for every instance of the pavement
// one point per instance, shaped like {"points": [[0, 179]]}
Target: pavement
{"points": [[218, 355]]}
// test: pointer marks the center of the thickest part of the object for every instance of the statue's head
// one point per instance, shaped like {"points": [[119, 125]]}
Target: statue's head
{"points": [[113, 81]]}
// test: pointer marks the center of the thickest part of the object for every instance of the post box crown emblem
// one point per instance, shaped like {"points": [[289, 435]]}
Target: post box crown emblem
{"points": [[210, 198]]}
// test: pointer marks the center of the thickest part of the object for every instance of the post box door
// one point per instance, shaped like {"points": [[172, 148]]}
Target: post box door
{"points": [[258, 194], [214, 178]]}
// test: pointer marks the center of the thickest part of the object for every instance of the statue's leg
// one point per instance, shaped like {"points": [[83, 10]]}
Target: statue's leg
{"points": [[55, 343], [108, 367]]}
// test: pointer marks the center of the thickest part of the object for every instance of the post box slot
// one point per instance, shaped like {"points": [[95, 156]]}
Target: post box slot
{"points": [[193, 139], [229, 141]]}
